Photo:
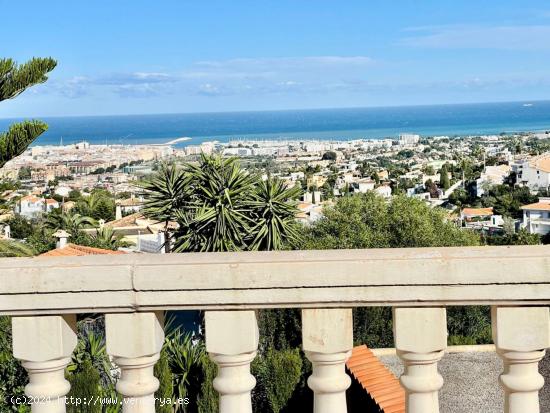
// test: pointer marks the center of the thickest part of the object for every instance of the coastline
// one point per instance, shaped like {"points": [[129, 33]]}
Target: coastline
{"points": [[337, 124]]}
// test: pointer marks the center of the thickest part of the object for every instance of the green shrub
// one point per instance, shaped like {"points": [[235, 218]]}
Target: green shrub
{"points": [[12, 375], [85, 386]]}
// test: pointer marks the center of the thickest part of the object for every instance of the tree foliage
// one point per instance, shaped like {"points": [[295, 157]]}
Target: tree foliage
{"points": [[185, 357], [221, 207], [71, 222], [278, 373], [368, 221], [444, 180], [14, 79], [9, 248], [208, 400], [100, 204], [165, 391], [12, 375], [85, 385]]}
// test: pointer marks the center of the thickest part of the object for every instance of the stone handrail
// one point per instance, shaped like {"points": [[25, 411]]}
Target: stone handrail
{"points": [[45, 294], [299, 279]]}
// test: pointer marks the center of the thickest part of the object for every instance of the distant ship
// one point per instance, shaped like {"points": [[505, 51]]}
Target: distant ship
{"points": [[527, 105]]}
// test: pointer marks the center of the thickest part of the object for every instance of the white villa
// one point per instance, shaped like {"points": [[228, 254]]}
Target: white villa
{"points": [[492, 175], [536, 217], [535, 173], [31, 206]]}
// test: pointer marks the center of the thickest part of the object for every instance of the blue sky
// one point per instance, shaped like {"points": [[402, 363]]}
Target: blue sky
{"points": [[125, 57]]}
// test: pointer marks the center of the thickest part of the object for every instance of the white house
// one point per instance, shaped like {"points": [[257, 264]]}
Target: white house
{"points": [[384, 190], [31, 206], [535, 173], [50, 204], [364, 185], [536, 217], [492, 175], [130, 205]]}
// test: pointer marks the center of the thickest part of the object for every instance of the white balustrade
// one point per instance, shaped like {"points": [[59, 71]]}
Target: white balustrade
{"points": [[327, 336], [44, 344], [232, 341], [43, 296], [135, 341], [521, 335], [420, 340]]}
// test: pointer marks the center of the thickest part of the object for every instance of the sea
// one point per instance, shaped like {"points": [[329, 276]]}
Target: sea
{"points": [[322, 124]]}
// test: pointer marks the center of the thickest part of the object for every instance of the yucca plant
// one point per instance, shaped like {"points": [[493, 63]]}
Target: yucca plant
{"points": [[184, 358], [274, 212], [218, 217], [167, 194], [91, 346], [221, 207]]}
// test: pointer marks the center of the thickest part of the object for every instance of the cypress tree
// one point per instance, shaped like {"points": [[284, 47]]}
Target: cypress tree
{"points": [[165, 391], [278, 373], [86, 388], [444, 181], [14, 80], [208, 400]]}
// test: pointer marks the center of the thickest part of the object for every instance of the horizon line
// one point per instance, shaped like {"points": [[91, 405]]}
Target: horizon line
{"points": [[282, 110]]}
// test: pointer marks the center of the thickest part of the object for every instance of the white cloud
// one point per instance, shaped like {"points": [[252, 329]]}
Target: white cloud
{"points": [[533, 37]]}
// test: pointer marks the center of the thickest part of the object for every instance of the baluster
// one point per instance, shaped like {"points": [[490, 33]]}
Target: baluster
{"points": [[135, 341], [521, 335], [420, 340], [327, 336], [44, 344], [232, 341]]}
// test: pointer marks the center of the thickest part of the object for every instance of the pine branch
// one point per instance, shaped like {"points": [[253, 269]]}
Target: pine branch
{"points": [[14, 79], [19, 136]]}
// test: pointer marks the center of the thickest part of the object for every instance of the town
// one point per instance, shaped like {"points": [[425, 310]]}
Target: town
{"points": [[493, 184]]}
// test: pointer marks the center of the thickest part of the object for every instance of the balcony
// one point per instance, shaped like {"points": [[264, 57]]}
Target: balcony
{"points": [[44, 295]]}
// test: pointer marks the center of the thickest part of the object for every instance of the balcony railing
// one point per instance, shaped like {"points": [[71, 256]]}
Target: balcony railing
{"points": [[44, 295]]}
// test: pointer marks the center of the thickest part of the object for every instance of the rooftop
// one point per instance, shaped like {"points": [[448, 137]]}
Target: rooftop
{"points": [[73, 250]]}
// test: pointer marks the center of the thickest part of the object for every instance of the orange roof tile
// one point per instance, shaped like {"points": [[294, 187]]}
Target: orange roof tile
{"points": [[477, 211], [537, 206], [541, 162], [127, 221], [31, 198], [379, 382], [73, 250]]}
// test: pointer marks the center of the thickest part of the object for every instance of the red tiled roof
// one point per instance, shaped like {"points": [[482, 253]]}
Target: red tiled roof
{"points": [[477, 211], [377, 380], [538, 206], [73, 250]]}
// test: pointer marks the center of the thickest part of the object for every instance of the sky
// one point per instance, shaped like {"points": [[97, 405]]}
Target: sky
{"points": [[175, 56]]}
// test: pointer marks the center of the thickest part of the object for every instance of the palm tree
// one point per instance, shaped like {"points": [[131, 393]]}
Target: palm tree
{"points": [[105, 237], [275, 216], [70, 222]]}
